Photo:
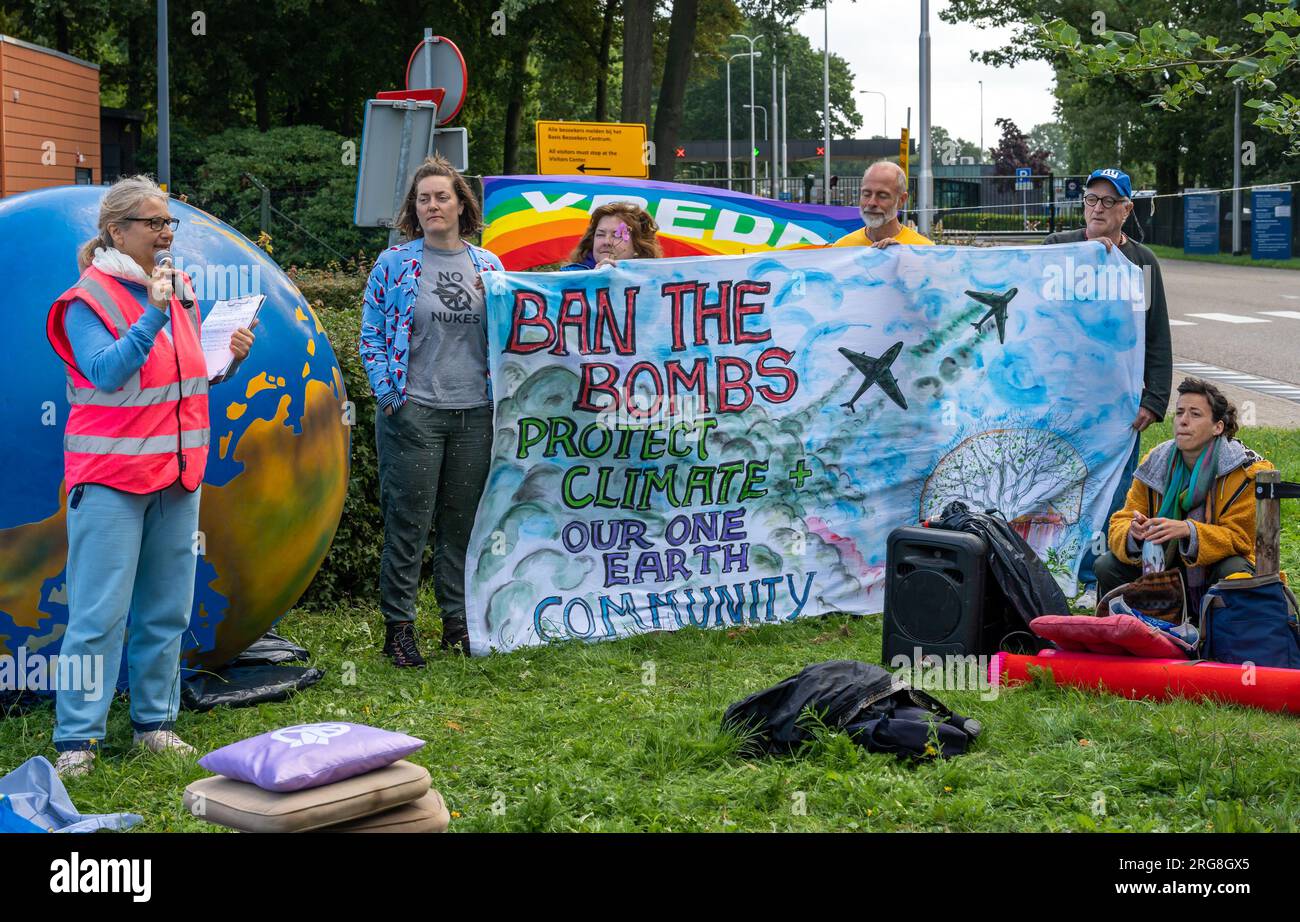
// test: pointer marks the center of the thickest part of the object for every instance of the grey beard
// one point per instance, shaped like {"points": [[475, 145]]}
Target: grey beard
{"points": [[873, 221]]}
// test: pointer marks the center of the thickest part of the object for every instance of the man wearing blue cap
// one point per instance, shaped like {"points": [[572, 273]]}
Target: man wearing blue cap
{"points": [[1107, 203]]}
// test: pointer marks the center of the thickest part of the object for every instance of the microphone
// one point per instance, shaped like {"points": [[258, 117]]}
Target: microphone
{"points": [[163, 260]]}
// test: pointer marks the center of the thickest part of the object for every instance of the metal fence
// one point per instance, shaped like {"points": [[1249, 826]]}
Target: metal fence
{"points": [[982, 205], [1162, 218]]}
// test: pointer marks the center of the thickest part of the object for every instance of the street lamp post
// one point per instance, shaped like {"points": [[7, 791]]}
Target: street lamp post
{"points": [[826, 101], [1236, 163], [774, 152], [925, 176], [765, 120], [164, 104], [785, 128], [739, 54], [884, 116], [753, 158], [981, 160]]}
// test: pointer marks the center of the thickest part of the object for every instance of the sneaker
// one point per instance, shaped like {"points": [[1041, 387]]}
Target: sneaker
{"points": [[162, 741], [400, 645], [75, 763], [1087, 599], [455, 636]]}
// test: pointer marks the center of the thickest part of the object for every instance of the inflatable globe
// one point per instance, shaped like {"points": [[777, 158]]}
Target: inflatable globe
{"points": [[278, 463]]}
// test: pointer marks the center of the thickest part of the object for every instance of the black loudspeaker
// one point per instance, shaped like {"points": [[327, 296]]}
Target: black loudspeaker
{"points": [[935, 595]]}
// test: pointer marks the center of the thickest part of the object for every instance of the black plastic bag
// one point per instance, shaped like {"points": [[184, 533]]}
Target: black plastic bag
{"points": [[271, 649], [243, 686], [16, 702], [255, 676], [878, 710], [1023, 578]]}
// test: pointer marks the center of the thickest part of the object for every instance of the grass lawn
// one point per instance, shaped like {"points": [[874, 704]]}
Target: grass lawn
{"points": [[626, 736], [1165, 252]]}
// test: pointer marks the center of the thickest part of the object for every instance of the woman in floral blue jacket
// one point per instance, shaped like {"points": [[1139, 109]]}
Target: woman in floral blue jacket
{"points": [[424, 345]]}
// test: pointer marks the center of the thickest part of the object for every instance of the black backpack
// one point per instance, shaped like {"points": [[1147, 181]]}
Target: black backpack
{"points": [[1029, 587], [877, 709]]}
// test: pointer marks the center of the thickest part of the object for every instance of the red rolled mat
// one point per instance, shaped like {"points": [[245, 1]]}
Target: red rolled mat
{"points": [[1263, 687]]}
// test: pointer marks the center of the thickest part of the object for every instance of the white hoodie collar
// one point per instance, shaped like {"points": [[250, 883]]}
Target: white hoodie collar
{"points": [[115, 262]]}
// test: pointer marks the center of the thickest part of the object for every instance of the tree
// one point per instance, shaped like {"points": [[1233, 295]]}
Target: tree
{"points": [[672, 89], [1013, 151], [946, 150], [706, 103], [306, 178], [1106, 114], [638, 59], [1197, 61], [1050, 137], [603, 47]]}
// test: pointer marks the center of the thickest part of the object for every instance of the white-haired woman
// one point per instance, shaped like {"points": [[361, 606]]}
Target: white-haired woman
{"points": [[135, 449]]}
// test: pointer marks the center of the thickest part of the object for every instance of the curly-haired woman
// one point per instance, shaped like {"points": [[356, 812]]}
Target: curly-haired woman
{"points": [[1194, 494], [617, 230]]}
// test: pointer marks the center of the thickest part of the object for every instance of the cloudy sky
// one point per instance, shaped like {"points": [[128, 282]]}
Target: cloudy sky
{"points": [[879, 40]]}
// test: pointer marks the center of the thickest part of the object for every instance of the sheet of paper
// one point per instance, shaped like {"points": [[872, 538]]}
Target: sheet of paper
{"points": [[219, 323]]}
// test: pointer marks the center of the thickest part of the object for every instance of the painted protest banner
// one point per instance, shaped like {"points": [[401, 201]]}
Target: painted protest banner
{"points": [[729, 441], [537, 220]]}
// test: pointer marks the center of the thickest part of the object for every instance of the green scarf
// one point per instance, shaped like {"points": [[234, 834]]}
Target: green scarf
{"points": [[1187, 489]]}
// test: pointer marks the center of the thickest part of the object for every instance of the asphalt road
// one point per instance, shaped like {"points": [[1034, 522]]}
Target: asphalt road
{"points": [[1242, 320]]}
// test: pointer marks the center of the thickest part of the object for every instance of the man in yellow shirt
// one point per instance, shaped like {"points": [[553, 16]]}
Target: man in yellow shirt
{"points": [[884, 192]]}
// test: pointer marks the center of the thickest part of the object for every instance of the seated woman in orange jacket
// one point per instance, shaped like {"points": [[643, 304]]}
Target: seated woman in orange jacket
{"points": [[1195, 494]]}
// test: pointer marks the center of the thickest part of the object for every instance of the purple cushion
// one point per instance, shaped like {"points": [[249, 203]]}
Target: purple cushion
{"points": [[309, 755]]}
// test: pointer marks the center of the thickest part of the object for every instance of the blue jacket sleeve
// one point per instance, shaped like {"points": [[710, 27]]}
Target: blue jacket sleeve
{"points": [[108, 362], [484, 260], [374, 343]]}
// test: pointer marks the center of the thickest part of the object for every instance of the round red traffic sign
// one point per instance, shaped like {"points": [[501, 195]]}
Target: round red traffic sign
{"points": [[437, 62]]}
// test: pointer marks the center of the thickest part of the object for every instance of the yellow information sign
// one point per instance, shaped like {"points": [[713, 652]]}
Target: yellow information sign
{"points": [[593, 149], [902, 152]]}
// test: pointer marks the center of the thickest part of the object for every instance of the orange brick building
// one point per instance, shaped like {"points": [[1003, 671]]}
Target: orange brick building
{"points": [[49, 118]]}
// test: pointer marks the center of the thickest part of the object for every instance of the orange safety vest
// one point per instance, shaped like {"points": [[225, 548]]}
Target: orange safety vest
{"points": [[154, 429]]}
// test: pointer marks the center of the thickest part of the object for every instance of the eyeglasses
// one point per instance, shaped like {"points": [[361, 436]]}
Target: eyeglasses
{"points": [[1108, 201], [157, 224]]}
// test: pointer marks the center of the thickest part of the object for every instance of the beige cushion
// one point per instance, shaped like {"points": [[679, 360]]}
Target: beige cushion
{"points": [[428, 814], [245, 806]]}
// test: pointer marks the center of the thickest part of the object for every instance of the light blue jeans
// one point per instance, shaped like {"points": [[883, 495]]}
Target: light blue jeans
{"points": [[127, 554]]}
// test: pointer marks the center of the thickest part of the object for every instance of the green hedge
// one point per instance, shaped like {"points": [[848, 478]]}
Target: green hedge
{"points": [[1009, 220], [351, 569]]}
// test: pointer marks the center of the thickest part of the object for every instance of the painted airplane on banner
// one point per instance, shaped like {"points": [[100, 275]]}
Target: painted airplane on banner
{"points": [[535, 221], [875, 371], [997, 309]]}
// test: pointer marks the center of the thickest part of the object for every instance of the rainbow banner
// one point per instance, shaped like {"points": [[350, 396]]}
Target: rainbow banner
{"points": [[537, 220]]}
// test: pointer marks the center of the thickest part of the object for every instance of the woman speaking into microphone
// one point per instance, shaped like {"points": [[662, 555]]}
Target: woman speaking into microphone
{"points": [[135, 449]]}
